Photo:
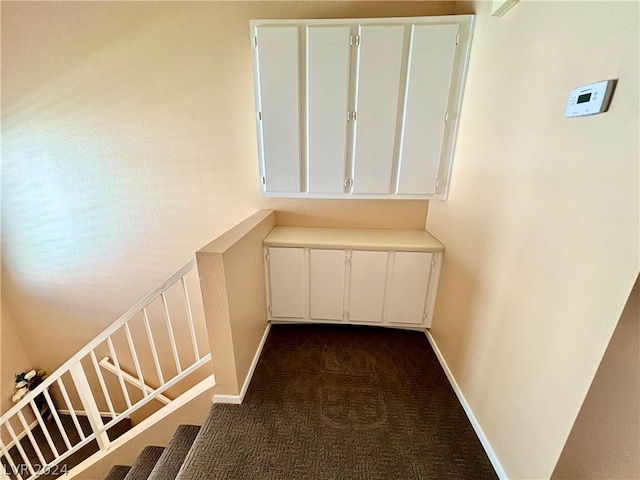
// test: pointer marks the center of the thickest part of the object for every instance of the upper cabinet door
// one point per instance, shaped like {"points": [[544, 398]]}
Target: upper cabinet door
{"points": [[328, 61], [431, 55], [378, 89], [278, 89]]}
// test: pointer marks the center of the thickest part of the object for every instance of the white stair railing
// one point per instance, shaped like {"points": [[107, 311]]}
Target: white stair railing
{"points": [[80, 393]]}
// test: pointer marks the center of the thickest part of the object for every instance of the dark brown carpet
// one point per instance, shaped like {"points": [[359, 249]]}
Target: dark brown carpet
{"points": [[340, 402]]}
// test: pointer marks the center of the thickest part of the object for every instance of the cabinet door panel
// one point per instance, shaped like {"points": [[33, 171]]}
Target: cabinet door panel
{"points": [[278, 72], [409, 284], [326, 284], [377, 106], [327, 105], [367, 285], [431, 58], [286, 282]]}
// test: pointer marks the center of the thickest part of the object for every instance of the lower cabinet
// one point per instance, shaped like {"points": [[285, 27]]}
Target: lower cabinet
{"points": [[287, 282], [394, 288]]}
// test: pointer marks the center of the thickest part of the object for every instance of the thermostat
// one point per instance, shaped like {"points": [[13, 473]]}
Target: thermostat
{"points": [[589, 99]]}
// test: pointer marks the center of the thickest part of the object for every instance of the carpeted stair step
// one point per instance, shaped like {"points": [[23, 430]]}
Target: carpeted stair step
{"points": [[145, 462], [174, 454], [118, 472]]}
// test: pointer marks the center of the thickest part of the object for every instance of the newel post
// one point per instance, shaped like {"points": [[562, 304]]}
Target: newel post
{"points": [[89, 404]]}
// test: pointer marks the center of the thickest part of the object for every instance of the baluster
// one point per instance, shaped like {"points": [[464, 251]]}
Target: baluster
{"points": [[154, 352], [6, 455], [103, 385], [72, 411], [34, 444], [174, 349], [56, 418], [192, 329], [136, 363], [18, 445], [44, 428], [89, 404], [125, 392]]}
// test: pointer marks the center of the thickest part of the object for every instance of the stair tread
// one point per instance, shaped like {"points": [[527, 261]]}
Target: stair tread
{"points": [[145, 462], [171, 460], [118, 472]]}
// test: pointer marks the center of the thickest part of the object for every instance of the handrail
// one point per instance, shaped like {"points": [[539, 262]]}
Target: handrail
{"points": [[128, 315]]}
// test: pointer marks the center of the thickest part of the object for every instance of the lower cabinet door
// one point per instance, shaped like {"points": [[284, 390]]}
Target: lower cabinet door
{"points": [[367, 285], [287, 282], [409, 284], [326, 284]]}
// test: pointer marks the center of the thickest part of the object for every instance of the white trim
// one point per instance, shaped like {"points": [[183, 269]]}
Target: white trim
{"points": [[238, 399], [148, 422], [467, 409]]}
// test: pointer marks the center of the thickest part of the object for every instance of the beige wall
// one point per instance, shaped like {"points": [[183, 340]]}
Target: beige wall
{"points": [[128, 142], [541, 226], [233, 293], [605, 439], [13, 359]]}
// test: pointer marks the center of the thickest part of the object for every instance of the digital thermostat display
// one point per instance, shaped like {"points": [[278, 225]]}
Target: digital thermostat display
{"points": [[589, 99], [584, 98]]}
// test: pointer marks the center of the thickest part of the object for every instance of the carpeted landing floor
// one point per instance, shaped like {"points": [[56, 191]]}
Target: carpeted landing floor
{"points": [[341, 402]]}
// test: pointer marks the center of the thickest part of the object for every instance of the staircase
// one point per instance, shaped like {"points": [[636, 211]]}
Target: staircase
{"points": [[155, 354], [159, 463]]}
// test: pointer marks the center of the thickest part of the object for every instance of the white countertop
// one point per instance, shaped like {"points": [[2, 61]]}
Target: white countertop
{"points": [[353, 238]]}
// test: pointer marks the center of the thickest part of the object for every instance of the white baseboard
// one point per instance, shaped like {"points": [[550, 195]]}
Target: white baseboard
{"points": [[238, 399], [493, 458]]}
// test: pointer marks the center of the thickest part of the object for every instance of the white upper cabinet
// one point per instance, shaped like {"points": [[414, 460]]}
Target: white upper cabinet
{"points": [[279, 67], [359, 108], [377, 98], [431, 54], [327, 74]]}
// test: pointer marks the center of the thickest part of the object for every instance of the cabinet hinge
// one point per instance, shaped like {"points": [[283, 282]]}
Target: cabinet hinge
{"points": [[433, 262], [457, 39], [267, 257], [345, 312], [446, 117], [437, 182], [255, 41], [424, 316], [269, 308], [264, 181], [354, 40], [351, 116], [348, 182], [260, 116]]}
